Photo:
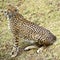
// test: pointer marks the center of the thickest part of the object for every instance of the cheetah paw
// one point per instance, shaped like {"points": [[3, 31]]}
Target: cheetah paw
{"points": [[40, 50], [14, 52]]}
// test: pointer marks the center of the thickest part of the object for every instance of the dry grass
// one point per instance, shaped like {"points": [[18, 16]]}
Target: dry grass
{"points": [[43, 12]]}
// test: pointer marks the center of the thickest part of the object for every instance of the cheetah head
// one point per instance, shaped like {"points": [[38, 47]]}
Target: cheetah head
{"points": [[11, 11]]}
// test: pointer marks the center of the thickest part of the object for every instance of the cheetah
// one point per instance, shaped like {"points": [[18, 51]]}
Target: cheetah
{"points": [[20, 27]]}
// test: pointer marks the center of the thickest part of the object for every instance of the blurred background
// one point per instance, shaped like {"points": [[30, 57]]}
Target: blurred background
{"points": [[45, 13]]}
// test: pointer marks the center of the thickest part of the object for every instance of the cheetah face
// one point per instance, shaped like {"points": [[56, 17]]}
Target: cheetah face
{"points": [[11, 11]]}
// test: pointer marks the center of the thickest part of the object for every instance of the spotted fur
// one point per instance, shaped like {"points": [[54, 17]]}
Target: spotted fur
{"points": [[21, 27]]}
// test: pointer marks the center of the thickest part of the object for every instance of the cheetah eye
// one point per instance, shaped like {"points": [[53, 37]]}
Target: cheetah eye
{"points": [[5, 12], [15, 9]]}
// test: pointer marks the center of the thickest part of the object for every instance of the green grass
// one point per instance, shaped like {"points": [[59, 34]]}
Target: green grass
{"points": [[46, 13]]}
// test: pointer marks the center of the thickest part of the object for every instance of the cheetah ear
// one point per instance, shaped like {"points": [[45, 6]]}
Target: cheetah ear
{"points": [[9, 4], [17, 7]]}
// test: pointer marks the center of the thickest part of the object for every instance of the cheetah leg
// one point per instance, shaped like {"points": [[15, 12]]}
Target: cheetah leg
{"points": [[30, 47], [15, 49]]}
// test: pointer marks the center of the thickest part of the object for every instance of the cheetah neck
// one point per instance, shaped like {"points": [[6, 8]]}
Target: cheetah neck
{"points": [[8, 22]]}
